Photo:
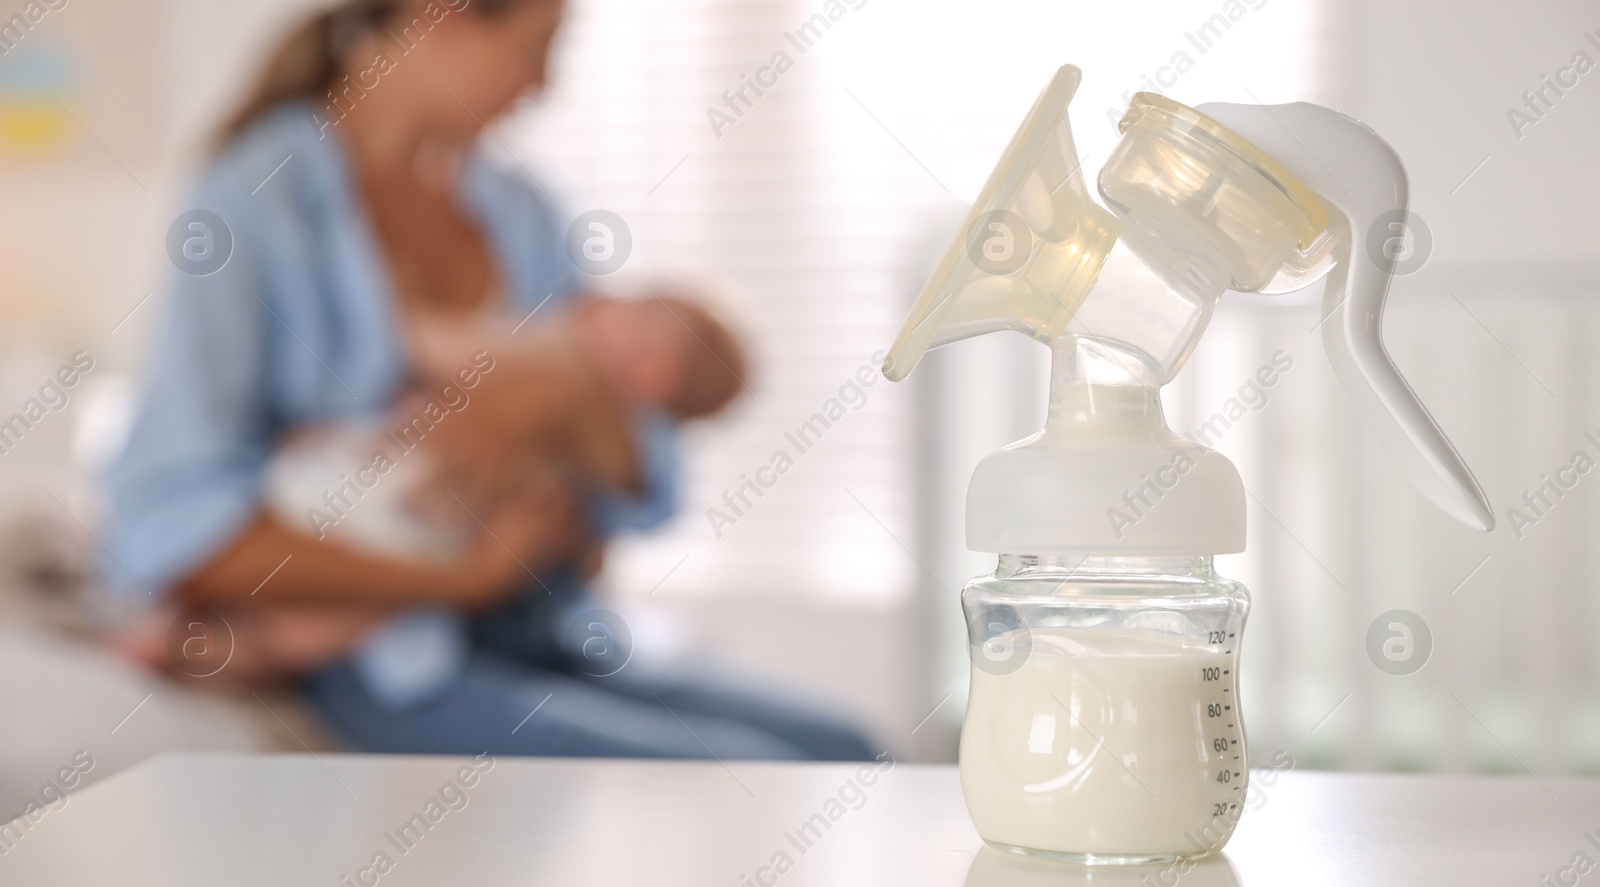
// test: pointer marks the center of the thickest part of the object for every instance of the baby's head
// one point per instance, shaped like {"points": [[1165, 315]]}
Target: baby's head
{"points": [[664, 351]]}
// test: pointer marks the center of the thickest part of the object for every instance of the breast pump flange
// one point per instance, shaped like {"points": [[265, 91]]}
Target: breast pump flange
{"points": [[1103, 722]]}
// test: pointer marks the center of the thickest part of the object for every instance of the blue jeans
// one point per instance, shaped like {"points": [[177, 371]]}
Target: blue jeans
{"points": [[514, 668]]}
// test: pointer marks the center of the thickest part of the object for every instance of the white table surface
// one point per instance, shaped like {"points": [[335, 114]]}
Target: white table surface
{"points": [[293, 820]]}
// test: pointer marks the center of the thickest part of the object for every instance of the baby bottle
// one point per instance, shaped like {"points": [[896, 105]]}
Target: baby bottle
{"points": [[1103, 722]]}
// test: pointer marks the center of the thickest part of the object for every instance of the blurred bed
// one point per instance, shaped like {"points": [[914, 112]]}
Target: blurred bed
{"points": [[75, 712]]}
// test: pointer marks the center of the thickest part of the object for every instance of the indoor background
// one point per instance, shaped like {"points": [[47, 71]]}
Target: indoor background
{"points": [[821, 205]]}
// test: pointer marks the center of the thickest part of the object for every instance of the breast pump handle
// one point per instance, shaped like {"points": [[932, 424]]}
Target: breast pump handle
{"points": [[1359, 179]]}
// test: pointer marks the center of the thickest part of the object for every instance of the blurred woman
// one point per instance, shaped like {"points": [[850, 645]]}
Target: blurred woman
{"points": [[360, 231]]}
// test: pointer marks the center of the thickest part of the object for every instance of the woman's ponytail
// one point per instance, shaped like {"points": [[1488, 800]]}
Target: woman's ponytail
{"points": [[307, 60]]}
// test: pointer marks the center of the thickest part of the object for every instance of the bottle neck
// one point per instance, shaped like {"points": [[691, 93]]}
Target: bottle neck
{"points": [[1094, 386], [1090, 567]]}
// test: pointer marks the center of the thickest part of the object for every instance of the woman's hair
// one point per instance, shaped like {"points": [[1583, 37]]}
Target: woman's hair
{"points": [[309, 57]]}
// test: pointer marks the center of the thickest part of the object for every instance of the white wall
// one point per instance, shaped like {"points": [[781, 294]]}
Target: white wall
{"points": [[1436, 78]]}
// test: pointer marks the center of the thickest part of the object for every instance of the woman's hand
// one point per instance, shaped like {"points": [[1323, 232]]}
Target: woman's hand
{"points": [[258, 638], [473, 455], [535, 526], [249, 643], [533, 395]]}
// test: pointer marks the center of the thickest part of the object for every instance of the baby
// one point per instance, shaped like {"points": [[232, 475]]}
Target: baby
{"points": [[661, 359], [660, 351]]}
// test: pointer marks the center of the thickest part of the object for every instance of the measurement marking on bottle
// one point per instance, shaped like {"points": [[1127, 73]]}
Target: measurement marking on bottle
{"points": [[1227, 708]]}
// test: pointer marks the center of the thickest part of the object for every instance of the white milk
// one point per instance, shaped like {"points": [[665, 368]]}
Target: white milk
{"points": [[1108, 745]]}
